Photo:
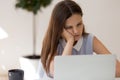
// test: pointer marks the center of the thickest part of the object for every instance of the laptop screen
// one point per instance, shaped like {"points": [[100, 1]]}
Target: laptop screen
{"points": [[85, 67]]}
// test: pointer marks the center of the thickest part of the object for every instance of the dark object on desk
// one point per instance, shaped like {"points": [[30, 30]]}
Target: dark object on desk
{"points": [[16, 74], [32, 56]]}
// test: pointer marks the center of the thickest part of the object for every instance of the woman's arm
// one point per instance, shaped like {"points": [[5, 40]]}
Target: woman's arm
{"points": [[69, 42], [67, 50], [99, 48]]}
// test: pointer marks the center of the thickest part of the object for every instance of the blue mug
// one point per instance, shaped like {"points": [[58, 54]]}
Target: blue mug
{"points": [[16, 74]]}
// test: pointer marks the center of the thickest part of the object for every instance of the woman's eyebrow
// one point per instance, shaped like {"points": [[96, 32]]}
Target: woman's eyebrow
{"points": [[79, 22], [68, 26]]}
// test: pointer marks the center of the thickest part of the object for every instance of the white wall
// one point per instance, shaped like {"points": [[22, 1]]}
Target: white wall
{"points": [[17, 24], [101, 17]]}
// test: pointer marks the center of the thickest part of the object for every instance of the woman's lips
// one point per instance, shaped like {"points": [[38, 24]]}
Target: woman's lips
{"points": [[77, 37]]}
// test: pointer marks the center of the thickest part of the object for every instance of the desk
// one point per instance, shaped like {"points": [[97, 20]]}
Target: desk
{"points": [[3, 77]]}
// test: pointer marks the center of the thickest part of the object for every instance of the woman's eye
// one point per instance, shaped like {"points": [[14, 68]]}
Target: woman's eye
{"points": [[78, 25]]}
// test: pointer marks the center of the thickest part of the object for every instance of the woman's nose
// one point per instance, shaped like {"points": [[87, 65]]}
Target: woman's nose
{"points": [[75, 30]]}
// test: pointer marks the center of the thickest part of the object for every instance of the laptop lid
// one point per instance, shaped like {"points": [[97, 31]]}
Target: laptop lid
{"points": [[84, 67]]}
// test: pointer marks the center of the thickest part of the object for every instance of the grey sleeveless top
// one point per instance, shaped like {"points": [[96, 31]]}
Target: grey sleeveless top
{"points": [[86, 48]]}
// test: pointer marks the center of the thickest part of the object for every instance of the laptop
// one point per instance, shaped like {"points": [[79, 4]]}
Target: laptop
{"points": [[85, 67]]}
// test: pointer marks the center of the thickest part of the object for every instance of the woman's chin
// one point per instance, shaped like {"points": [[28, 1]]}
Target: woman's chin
{"points": [[77, 38]]}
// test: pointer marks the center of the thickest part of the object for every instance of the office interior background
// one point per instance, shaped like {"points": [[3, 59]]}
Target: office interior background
{"points": [[101, 18]]}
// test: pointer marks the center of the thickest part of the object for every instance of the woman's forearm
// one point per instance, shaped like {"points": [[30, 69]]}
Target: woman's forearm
{"points": [[68, 48], [67, 51]]}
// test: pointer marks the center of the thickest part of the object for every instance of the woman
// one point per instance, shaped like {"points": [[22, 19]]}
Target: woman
{"points": [[66, 36]]}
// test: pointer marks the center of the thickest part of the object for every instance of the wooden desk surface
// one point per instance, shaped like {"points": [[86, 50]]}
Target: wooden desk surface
{"points": [[3, 77]]}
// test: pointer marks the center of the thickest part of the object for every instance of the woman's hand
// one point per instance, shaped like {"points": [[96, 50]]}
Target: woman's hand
{"points": [[68, 36], [70, 41]]}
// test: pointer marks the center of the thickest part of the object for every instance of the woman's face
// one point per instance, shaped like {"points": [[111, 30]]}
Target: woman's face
{"points": [[74, 25]]}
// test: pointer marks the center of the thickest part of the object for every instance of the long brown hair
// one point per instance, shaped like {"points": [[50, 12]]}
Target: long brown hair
{"points": [[62, 11]]}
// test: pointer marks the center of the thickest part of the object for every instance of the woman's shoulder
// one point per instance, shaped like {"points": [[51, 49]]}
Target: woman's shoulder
{"points": [[88, 39]]}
